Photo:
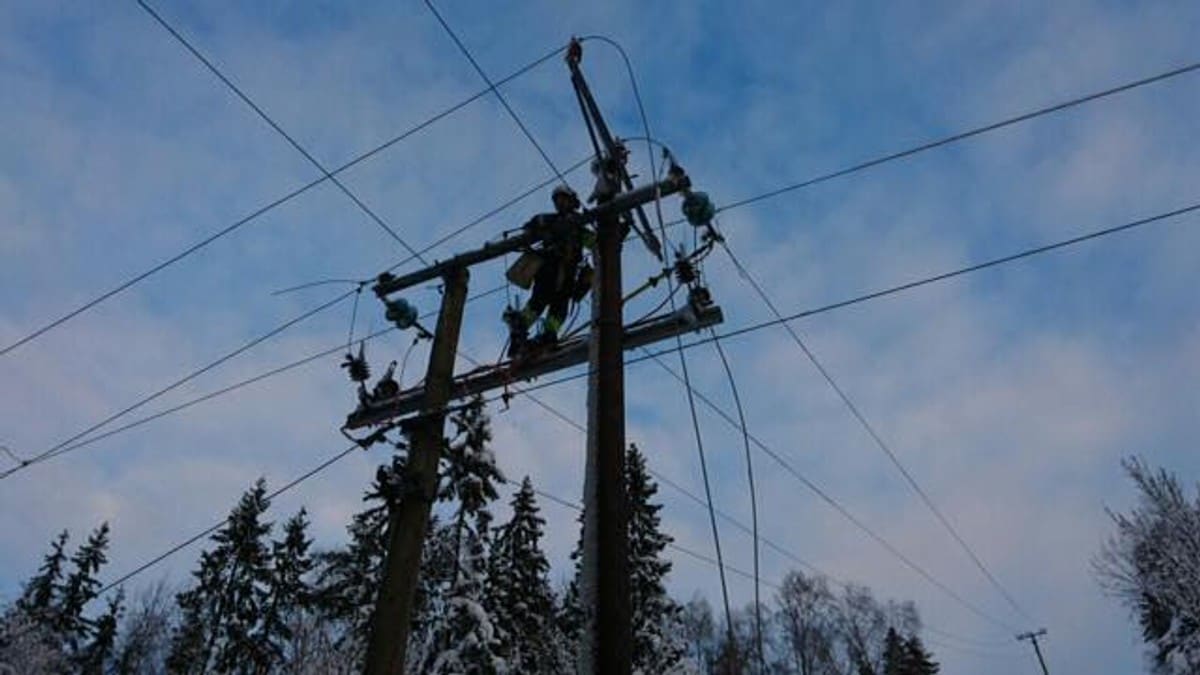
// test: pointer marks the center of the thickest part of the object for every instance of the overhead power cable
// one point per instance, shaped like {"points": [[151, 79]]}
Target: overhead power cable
{"points": [[705, 504], [737, 402], [415, 254], [274, 125], [63, 446], [683, 360], [873, 295], [993, 262], [521, 71], [492, 87], [774, 585], [217, 525], [883, 445], [237, 385], [837, 506], [961, 136], [279, 201]]}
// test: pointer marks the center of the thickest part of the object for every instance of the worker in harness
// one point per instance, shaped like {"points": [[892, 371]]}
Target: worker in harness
{"points": [[555, 269]]}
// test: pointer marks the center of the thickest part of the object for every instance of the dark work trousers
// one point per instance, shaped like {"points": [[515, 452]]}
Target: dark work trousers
{"points": [[550, 289]]}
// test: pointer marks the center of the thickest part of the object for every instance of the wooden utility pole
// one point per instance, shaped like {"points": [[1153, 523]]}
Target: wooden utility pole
{"points": [[408, 519], [1033, 637], [606, 646], [607, 643]]}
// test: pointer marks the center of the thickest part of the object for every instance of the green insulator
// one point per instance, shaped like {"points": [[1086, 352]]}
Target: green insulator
{"points": [[698, 208], [401, 313]]}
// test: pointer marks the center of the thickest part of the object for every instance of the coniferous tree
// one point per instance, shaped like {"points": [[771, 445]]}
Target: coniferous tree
{"points": [[895, 656], [38, 597], [918, 661], [79, 588], [99, 653], [657, 646], [348, 578], [569, 615], [222, 613], [520, 594], [465, 638], [438, 562], [290, 596]]}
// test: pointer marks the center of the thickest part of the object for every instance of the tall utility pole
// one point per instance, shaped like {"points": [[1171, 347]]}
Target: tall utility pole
{"points": [[606, 645], [1033, 636], [409, 518]]}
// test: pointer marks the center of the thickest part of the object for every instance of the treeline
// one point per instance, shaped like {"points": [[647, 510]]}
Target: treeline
{"points": [[262, 600]]}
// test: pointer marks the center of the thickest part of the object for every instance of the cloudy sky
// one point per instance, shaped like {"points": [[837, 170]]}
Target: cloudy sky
{"points": [[1010, 395]]}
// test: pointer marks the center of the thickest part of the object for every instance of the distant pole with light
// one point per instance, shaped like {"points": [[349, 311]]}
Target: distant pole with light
{"points": [[1032, 637]]}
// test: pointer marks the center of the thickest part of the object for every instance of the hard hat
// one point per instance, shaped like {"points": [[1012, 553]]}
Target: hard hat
{"points": [[564, 191]]}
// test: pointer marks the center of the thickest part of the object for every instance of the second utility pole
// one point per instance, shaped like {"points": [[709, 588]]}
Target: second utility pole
{"points": [[408, 519], [1032, 637]]}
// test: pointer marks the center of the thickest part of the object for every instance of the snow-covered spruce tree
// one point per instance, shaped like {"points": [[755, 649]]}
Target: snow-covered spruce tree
{"points": [[519, 591], [439, 559], [569, 614], [289, 596], [222, 612], [657, 644], [1152, 564], [465, 638]]}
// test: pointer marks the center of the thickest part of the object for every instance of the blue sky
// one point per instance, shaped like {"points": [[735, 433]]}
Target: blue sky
{"points": [[1011, 395]]}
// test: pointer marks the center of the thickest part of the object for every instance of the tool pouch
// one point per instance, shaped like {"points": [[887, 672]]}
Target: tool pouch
{"points": [[523, 271]]}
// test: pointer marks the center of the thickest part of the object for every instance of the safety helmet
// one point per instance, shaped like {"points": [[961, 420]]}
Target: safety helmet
{"points": [[564, 191]]}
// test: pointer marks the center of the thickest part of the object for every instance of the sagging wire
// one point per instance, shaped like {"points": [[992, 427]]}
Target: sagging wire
{"points": [[737, 401]]}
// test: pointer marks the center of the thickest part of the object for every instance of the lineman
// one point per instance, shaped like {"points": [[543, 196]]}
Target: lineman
{"points": [[556, 269]]}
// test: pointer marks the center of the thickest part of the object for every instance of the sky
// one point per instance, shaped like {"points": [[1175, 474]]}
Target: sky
{"points": [[1011, 395]]}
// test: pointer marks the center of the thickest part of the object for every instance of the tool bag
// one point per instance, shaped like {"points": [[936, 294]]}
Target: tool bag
{"points": [[523, 271]]}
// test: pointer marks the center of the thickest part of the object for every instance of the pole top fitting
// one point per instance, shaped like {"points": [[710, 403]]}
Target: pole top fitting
{"points": [[574, 52]]}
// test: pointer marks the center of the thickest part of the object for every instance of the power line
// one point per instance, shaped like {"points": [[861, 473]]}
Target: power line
{"points": [[836, 505], [215, 526], [1037, 250], [679, 343], [963, 135], [737, 401], [775, 585], [62, 447], [745, 330], [274, 125], [142, 276], [708, 504], [492, 87], [870, 429], [712, 516]]}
